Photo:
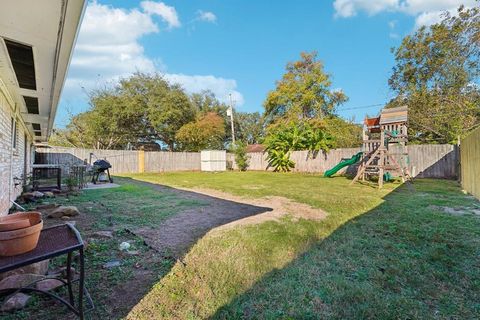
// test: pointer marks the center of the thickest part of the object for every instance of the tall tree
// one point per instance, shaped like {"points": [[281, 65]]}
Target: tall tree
{"points": [[303, 92], [139, 109], [206, 101], [437, 75], [159, 108], [346, 133], [249, 127], [207, 132]]}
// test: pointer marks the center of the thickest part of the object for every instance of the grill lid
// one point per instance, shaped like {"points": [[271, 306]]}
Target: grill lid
{"points": [[102, 164]]}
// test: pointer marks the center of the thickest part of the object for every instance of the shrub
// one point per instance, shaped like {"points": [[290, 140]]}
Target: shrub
{"points": [[280, 160], [71, 182], [282, 139], [241, 156]]}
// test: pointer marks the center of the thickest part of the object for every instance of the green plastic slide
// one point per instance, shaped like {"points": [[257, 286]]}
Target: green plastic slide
{"points": [[343, 163]]}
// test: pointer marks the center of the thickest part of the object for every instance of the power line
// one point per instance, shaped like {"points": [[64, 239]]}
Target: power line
{"points": [[363, 107]]}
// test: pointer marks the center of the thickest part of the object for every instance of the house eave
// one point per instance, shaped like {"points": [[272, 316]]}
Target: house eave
{"points": [[50, 28]]}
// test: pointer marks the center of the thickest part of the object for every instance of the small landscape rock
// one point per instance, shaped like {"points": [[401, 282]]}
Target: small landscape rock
{"points": [[49, 284], [112, 264], [133, 252], [47, 206], [28, 197], [19, 280], [15, 302], [124, 246], [40, 268], [62, 272], [61, 211], [56, 191], [103, 234], [49, 194], [65, 218], [38, 194]]}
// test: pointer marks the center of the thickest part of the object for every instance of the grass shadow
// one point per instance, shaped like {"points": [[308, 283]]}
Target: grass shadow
{"points": [[402, 259], [175, 235], [160, 223]]}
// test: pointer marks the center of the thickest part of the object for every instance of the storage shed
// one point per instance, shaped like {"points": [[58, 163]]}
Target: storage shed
{"points": [[213, 160]]}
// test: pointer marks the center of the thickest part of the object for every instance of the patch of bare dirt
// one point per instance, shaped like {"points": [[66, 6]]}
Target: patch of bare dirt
{"points": [[174, 236], [280, 206], [457, 211]]}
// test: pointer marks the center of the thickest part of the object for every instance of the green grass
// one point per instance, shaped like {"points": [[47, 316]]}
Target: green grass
{"points": [[127, 207], [378, 254], [131, 205], [333, 195], [384, 254]]}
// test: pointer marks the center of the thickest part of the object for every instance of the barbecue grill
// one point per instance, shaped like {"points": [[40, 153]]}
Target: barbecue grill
{"points": [[100, 166]]}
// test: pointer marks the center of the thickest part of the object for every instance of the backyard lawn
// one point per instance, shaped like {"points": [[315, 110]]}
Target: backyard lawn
{"points": [[401, 252], [397, 253]]}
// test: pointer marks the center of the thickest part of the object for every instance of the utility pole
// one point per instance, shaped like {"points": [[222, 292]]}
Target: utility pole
{"points": [[230, 113]]}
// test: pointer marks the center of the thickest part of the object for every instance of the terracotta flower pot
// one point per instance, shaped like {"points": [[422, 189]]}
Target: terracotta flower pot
{"points": [[33, 216], [19, 241], [14, 225]]}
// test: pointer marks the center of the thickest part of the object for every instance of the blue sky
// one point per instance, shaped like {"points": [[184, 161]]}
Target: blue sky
{"points": [[242, 46]]}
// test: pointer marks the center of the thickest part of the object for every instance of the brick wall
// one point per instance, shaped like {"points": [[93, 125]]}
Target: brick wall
{"points": [[12, 161]]}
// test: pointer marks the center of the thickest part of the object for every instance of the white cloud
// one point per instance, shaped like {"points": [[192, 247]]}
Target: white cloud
{"points": [[426, 12], [167, 13], [206, 16], [221, 87], [350, 8], [109, 48], [429, 18], [392, 25], [415, 7]]}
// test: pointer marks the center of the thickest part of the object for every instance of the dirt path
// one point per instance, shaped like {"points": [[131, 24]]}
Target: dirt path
{"points": [[221, 211]]}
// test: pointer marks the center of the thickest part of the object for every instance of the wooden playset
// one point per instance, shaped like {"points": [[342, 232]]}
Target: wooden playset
{"points": [[384, 146]]}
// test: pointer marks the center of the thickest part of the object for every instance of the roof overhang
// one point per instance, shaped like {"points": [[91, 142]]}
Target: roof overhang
{"points": [[50, 29]]}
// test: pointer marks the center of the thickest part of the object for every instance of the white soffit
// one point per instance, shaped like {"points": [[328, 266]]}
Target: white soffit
{"points": [[50, 27]]}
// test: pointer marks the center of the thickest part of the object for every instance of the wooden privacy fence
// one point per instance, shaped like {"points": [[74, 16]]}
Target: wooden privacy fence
{"points": [[426, 161], [122, 161], [470, 163]]}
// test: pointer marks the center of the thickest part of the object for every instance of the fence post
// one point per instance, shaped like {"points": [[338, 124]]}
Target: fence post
{"points": [[141, 161]]}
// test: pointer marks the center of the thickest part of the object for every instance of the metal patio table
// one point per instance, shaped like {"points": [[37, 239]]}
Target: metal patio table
{"points": [[54, 241]]}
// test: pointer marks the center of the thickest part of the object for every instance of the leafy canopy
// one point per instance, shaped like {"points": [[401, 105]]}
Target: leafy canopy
{"points": [[145, 109], [207, 132], [249, 127], [303, 92], [300, 113], [436, 74], [139, 109]]}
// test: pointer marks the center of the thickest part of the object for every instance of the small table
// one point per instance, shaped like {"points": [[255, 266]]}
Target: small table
{"points": [[46, 169], [53, 242]]}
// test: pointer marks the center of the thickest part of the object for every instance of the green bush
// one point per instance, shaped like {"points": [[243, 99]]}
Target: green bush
{"points": [[282, 139], [241, 156], [280, 160]]}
